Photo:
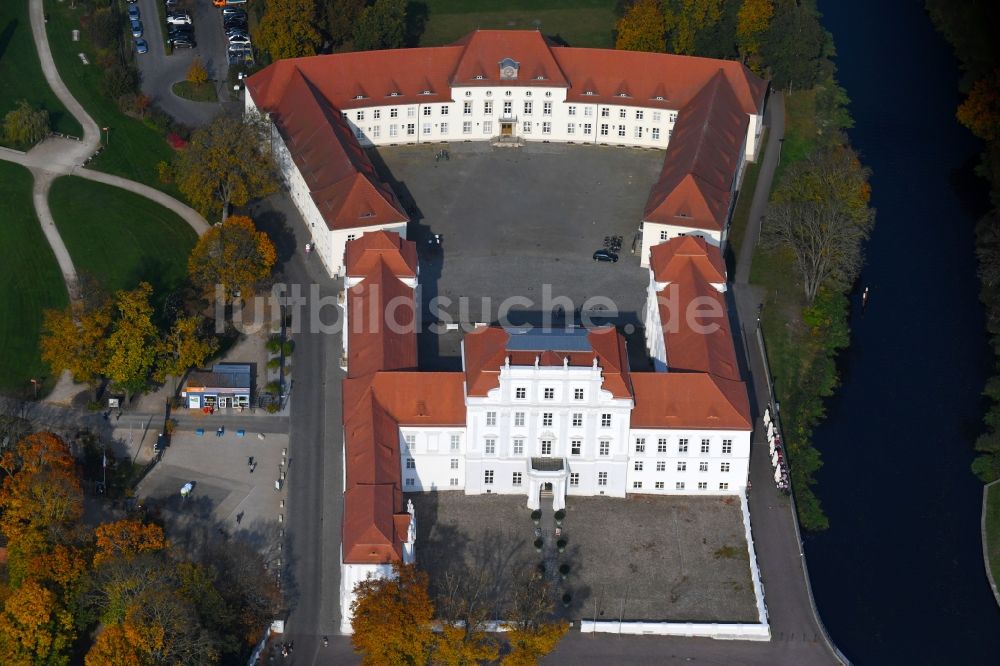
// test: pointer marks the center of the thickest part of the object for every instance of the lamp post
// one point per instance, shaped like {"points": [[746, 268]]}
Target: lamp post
{"points": [[34, 384], [107, 135]]}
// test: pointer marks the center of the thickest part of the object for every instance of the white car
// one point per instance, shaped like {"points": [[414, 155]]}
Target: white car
{"points": [[239, 39], [179, 19]]}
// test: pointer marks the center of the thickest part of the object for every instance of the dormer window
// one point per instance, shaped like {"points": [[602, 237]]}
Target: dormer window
{"points": [[588, 92], [479, 77], [622, 94], [394, 94], [659, 98], [360, 97], [508, 69], [426, 92]]}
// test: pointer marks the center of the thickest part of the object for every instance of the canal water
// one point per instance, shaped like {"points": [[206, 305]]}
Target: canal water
{"points": [[898, 577]]}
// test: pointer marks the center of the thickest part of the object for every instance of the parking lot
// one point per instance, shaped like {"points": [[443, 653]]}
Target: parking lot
{"points": [[523, 223], [672, 559]]}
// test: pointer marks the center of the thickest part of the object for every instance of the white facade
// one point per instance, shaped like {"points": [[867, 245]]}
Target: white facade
{"points": [[655, 342]]}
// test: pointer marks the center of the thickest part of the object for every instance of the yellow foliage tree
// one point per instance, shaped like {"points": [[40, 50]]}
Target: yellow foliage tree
{"points": [[233, 254], [455, 647], [287, 29], [753, 20], [392, 618], [529, 643], [642, 28], [134, 340], [197, 74], [125, 538], [118, 645], [75, 339], [980, 111], [33, 628], [184, 348], [685, 19]]}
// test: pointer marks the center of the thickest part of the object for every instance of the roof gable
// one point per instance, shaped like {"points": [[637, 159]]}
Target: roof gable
{"points": [[669, 260], [381, 323], [689, 400], [485, 51]]}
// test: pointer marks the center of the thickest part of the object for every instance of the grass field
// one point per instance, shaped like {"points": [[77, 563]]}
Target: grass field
{"points": [[578, 22], [119, 237], [30, 281], [993, 530], [134, 148], [20, 73], [201, 92], [741, 214]]}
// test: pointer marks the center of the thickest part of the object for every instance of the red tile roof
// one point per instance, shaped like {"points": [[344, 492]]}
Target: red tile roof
{"points": [[363, 253], [689, 400], [374, 527], [695, 186], [414, 398], [380, 323], [670, 260], [485, 49]]}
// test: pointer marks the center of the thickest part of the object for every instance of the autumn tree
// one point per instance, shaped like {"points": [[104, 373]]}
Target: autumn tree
{"points": [[820, 213], [75, 339], [381, 25], [532, 632], [339, 17], [686, 19], [287, 29], [226, 163], [126, 538], [233, 254], [25, 125], [196, 73], [752, 21], [642, 28], [134, 340], [119, 645], [185, 347], [980, 111], [466, 603], [35, 628], [391, 618]]}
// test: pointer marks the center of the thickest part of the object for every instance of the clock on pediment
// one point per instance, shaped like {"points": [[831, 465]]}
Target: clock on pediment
{"points": [[508, 68]]}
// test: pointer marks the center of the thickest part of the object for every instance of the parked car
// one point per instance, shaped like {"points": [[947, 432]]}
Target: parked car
{"points": [[182, 42], [236, 32], [171, 4], [141, 46], [605, 255], [133, 13], [179, 18], [234, 22], [239, 39], [180, 31], [136, 28], [234, 11]]}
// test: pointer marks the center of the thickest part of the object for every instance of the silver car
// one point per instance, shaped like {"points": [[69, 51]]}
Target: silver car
{"points": [[136, 28]]}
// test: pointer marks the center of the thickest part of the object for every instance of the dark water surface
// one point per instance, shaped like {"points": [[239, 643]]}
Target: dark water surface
{"points": [[899, 576]]}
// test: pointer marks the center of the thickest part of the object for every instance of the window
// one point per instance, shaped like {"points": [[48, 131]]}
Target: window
{"points": [[527, 108], [546, 447], [575, 446], [526, 127], [621, 130], [661, 445], [547, 419], [361, 115], [638, 132], [672, 118], [636, 485], [376, 114], [410, 440], [444, 128], [605, 447], [640, 445], [487, 127], [605, 420], [518, 418], [427, 110], [657, 117], [578, 394], [351, 237], [453, 481], [549, 393], [622, 113], [638, 115], [602, 478], [704, 446], [467, 108], [409, 482], [588, 111], [394, 112], [454, 463], [571, 128], [546, 128], [456, 442], [703, 467], [682, 466], [467, 127], [656, 134], [703, 485], [520, 393], [393, 130], [605, 112], [659, 485], [376, 131], [604, 129], [411, 129], [577, 419], [661, 466], [411, 463], [588, 128], [491, 418], [358, 133], [488, 477], [444, 110], [546, 108], [664, 235], [488, 107], [723, 486], [571, 110], [574, 479], [638, 466], [518, 446], [508, 107], [727, 447], [490, 446], [682, 446], [679, 485], [516, 479], [724, 467], [411, 112], [670, 133]]}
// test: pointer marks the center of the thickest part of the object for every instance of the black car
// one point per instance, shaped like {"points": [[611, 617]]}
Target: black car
{"points": [[605, 255], [180, 31]]}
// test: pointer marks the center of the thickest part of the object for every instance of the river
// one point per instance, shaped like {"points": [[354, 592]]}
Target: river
{"points": [[898, 577]]}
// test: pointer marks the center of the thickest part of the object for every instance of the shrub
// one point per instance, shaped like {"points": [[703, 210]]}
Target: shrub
{"points": [[164, 174], [104, 29], [273, 387], [561, 545], [536, 515], [25, 125], [272, 408], [170, 426], [274, 363], [288, 347], [119, 80], [538, 544], [560, 514], [273, 344]]}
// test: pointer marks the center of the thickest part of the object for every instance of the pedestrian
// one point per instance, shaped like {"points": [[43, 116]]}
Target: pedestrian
{"points": [[250, 461]]}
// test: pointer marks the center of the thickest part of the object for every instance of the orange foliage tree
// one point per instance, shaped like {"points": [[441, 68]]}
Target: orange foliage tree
{"points": [[34, 629], [642, 28], [234, 254], [125, 538], [118, 645], [980, 111], [392, 618]]}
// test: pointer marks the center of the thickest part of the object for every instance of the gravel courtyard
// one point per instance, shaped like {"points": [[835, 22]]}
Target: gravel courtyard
{"points": [[670, 559]]}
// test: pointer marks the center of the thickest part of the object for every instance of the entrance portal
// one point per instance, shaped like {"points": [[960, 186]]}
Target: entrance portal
{"points": [[506, 129]]}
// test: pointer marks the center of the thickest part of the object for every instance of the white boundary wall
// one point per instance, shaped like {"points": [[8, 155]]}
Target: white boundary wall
{"points": [[721, 631]]}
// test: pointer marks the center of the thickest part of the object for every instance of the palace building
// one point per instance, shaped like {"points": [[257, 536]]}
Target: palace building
{"points": [[507, 86]]}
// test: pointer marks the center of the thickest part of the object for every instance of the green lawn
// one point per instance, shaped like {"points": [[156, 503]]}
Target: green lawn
{"points": [[30, 281], [579, 22], [201, 92], [741, 215], [20, 72], [119, 237], [993, 530], [134, 148]]}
